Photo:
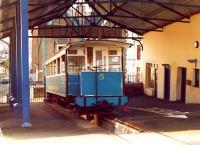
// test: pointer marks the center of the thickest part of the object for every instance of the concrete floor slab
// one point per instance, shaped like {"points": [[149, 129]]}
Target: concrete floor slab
{"points": [[53, 125], [172, 119]]}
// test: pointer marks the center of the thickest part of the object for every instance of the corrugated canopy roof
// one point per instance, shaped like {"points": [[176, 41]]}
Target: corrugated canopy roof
{"points": [[142, 16], [40, 11], [139, 16]]}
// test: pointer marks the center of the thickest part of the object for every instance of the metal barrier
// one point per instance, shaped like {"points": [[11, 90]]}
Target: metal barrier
{"points": [[131, 78], [37, 91], [4, 91]]}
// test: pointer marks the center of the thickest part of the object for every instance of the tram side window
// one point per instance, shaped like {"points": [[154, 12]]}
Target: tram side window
{"points": [[114, 63], [48, 70], [51, 68], [76, 63], [114, 60], [62, 64], [54, 67], [58, 66]]}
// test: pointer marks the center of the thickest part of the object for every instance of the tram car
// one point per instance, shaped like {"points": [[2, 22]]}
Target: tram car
{"points": [[87, 76]]}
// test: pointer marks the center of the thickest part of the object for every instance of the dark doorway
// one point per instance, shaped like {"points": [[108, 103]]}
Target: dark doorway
{"points": [[167, 82], [183, 84]]}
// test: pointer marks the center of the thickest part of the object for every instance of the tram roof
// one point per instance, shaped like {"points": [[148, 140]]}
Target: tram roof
{"points": [[92, 43], [89, 43], [139, 16]]}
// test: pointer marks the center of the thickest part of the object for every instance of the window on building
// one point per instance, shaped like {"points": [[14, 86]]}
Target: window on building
{"points": [[196, 77], [59, 47], [138, 74], [138, 52]]}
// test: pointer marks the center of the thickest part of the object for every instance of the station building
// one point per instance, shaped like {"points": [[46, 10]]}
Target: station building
{"points": [[170, 62]]}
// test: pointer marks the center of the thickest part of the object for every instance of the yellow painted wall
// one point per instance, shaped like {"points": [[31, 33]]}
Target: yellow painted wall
{"points": [[174, 46]]}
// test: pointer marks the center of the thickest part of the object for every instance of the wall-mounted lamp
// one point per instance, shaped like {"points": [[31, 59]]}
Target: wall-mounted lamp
{"points": [[196, 44], [194, 60]]}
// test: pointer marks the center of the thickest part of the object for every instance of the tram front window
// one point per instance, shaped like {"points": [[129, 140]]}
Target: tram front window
{"points": [[76, 63], [114, 63]]}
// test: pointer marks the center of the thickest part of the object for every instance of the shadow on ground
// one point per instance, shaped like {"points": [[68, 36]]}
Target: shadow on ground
{"points": [[48, 120], [159, 115]]}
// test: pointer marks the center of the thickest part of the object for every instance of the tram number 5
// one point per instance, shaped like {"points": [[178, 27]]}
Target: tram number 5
{"points": [[101, 77]]}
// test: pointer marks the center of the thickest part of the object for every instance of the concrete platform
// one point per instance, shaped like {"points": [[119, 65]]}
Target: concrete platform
{"points": [[53, 125], [174, 120]]}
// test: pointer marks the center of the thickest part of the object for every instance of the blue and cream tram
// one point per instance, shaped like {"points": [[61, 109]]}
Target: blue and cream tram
{"points": [[92, 71]]}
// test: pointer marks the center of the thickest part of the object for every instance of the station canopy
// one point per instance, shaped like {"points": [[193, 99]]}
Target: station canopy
{"points": [[138, 16]]}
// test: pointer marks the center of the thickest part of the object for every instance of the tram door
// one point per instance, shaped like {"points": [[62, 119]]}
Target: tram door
{"points": [[90, 56], [100, 60]]}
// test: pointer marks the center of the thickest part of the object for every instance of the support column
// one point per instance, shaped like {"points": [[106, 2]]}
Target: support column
{"points": [[11, 62], [25, 63], [18, 56], [44, 66]]}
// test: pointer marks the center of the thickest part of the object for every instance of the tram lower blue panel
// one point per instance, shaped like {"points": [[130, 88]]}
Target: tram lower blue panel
{"points": [[101, 84], [73, 85], [90, 88], [90, 101]]}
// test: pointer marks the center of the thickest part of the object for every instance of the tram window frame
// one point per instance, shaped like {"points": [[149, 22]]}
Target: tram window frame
{"points": [[59, 47], [114, 66], [48, 70], [54, 67], [72, 52], [62, 64], [112, 52], [58, 65], [76, 68]]}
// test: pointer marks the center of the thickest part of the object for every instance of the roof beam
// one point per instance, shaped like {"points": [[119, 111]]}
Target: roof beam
{"points": [[51, 16], [155, 19], [89, 31], [92, 5], [57, 9], [112, 12], [45, 5], [3, 6], [146, 1], [82, 15], [7, 29], [143, 19], [7, 20], [170, 9]]}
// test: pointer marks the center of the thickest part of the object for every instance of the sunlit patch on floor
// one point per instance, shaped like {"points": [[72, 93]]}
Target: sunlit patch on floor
{"points": [[165, 112]]}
